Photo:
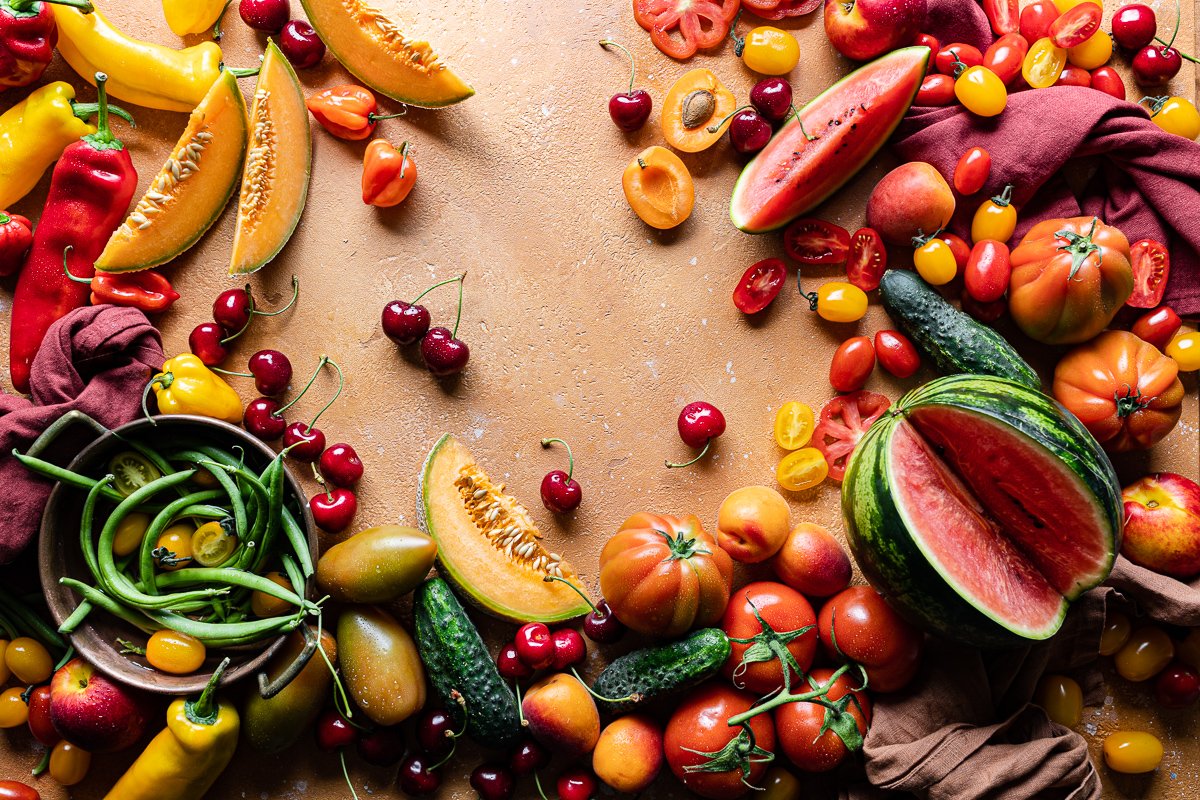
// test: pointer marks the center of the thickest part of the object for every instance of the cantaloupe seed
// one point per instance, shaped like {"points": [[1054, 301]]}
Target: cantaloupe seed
{"points": [[419, 53], [505, 522], [162, 190], [260, 163]]}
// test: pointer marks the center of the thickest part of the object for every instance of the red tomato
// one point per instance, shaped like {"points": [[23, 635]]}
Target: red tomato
{"points": [[681, 27], [1036, 19], [867, 260], [1006, 55], [852, 364], [1109, 81], [1004, 15], [1074, 76], [870, 633], [936, 90], [988, 271], [1076, 26], [15, 790], [960, 248], [799, 724], [984, 312], [972, 171], [759, 286], [1158, 326], [39, 717], [813, 242], [781, 9], [967, 54], [783, 609], [698, 726], [844, 420], [926, 40], [1151, 267], [896, 353]]}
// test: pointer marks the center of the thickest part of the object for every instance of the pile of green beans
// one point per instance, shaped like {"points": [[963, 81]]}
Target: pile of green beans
{"points": [[211, 604]]}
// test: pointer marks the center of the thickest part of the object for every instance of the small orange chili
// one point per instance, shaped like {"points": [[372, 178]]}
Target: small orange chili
{"points": [[347, 111], [388, 174], [16, 235]]}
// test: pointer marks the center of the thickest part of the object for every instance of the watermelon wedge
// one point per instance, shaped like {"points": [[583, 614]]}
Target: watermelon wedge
{"points": [[981, 510], [850, 122]]}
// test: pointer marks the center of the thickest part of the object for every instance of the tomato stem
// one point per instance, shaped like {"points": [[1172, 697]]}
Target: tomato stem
{"points": [[632, 64], [1156, 103], [739, 42]]}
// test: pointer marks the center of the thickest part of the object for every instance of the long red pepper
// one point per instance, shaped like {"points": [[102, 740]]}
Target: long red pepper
{"points": [[90, 191], [27, 38]]}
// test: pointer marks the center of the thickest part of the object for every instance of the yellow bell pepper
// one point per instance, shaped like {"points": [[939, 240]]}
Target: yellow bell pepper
{"points": [[192, 16], [33, 134], [185, 759], [186, 386], [144, 73]]}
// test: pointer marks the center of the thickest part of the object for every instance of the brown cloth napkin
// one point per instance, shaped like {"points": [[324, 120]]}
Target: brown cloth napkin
{"points": [[95, 360]]}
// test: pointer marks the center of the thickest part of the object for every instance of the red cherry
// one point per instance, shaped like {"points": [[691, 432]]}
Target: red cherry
{"points": [[1177, 686], [405, 323], [535, 647], [416, 779], [699, 423], [232, 309], [1154, 66], [301, 45], [272, 371], [528, 758], [304, 443], [267, 16], [382, 746], [435, 732], [493, 782], [334, 510], [576, 784], [569, 648], [749, 131], [340, 465], [263, 420], [773, 98], [444, 355], [561, 493], [629, 109], [602, 626], [205, 342], [1134, 26], [510, 665], [334, 732]]}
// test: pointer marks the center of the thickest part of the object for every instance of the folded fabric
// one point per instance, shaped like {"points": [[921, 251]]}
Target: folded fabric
{"points": [[94, 360]]}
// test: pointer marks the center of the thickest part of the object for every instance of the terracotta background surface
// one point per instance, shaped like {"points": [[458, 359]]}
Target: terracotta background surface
{"points": [[582, 322]]}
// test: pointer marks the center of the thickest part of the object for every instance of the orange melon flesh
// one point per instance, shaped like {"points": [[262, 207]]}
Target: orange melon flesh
{"points": [[191, 190], [374, 49], [488, 546], [276, 172]]}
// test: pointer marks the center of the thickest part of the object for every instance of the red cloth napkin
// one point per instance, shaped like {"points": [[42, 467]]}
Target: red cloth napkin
{"points": [[95, 360], [1146, 181]]}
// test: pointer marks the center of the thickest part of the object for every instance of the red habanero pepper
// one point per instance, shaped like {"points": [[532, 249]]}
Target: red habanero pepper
{"points": [[16, 235], [347, 111], [388, 174], [145, 290], [90, 190], [27, 38]]}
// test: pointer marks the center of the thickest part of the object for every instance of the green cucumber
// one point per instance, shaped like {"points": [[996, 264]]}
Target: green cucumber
{"points": [[953, 340], [457, 661], [656, 672]]}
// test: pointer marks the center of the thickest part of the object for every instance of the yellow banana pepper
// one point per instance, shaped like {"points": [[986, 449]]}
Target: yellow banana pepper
{"points": [[144, 73], [192, 16], [185, 759], [186, 386], [33, 134]]}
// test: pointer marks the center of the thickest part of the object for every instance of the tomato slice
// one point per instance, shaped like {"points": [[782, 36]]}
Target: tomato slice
{"points": [[681, 27], [814, 241], [760, 285], [1076, 26], [844, 420], [794, 425], [867, 259], [781, 9], [1003, 15], [132, 471], [802, 470], [1151, 267]]}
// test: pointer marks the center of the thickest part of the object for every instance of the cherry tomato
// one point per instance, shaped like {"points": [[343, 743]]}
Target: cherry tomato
{"points": [[1117, 628], [1061, 698], [778, 785], [69, 764], [13, 710], [1043, 64], [926, 40], [1151, 268], [867, 259], [949, 57], [959, 247], [896, 353], [802, 469], [1144, 655], [842, 423], [869, 632], [174, 546], [800, 724], [15, 790], [175, 652], [1076, 26], [988, 271], [794, 425], [681, 27], [853, 362], [1093, 53], [1184, 348], [785, 611], [935, 262], [28, 660], [936, 90], [5, 672], [1188, 650], [1074, 76], [132, 471], [972, 171], [981, 92], [1178, 686], [1175, 115], [770, 51], [130, 532], [760, 285], [1003, 15], [1157, 326], [213, 543], [1036, 19], [698, 726], [1109, 81], [813, 242], [1132, 752], [39, 717], [838, 301], [1005, 56], [267, 605], [995, 219]]}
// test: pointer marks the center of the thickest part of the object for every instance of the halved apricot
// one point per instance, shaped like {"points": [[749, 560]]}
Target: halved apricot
{"points": [[659, 188], [696, 111]]}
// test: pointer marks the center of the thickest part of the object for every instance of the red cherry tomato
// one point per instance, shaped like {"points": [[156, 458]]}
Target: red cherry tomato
{"points": [[1151, 267], [960, 249], [814, 242], [852, 364], [972, 171], [967, 54], [698, 726], [1006, 55], [15, 790], [896, 353], [926, 40], [843, 421], [760, 285], [1076, 26], [988, 271], [869, 632], [1036, 19], [1003, 15], [1074, 76], [1109, 81], [39, 717], [867, 260], [936, 90], [984, 312], [784, 610], [801, 726], [1157, 327]]}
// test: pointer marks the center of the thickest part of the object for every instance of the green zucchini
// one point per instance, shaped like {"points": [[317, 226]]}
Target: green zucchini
{"points": [[953, 340], [657, 672], [456, 660]]}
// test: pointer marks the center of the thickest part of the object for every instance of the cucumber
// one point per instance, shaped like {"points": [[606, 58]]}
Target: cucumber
{"points": [[955, 341], [657, 672], [456, 660]]}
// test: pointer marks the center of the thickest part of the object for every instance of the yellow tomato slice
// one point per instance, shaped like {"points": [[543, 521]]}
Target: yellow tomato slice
{"points": [[802, 469], [794, 425]]}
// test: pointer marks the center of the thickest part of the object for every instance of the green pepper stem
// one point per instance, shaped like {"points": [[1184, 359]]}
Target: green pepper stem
{"points": [[164, 380], [632, 64], [103, 134], [373, 117], [241, 72], [307, 386], [216, 31], [203, 710], [84, 7], [570, 456], [42, 765]]}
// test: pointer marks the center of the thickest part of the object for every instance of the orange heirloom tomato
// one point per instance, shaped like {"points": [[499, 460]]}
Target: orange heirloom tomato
{"points": [[659, 188], [1070, 277], [1126, 392], [388, 174], [663, 575]]}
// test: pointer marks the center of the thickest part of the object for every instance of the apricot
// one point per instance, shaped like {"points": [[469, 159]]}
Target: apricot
{"points": [[629, 753], [910, 200], [562, 715], [813, 562], [753, 523]]}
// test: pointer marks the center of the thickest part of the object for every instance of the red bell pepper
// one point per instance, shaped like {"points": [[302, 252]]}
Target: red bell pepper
{"points": [[16, 235], [27, 38], [145, 290], [90, 191], [348, 111]]}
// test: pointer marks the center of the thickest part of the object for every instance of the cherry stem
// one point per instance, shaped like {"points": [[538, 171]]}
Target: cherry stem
{"points": [[44, 764], [634, 697], [1182, 54], [292, 302], [346, 772], [729, 116], [320, 479], [451, 735], [537, 780], [699, 456], [574, 589], [279, 411], [435, 286], [458, 316], [632, 64], [570, 457], [231, 372], [1178, 14], [341, 385]]}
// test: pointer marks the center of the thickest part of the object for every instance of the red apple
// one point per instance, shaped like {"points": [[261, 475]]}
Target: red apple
{"points": [[865, 29], [92, 712], [1162, 524]]}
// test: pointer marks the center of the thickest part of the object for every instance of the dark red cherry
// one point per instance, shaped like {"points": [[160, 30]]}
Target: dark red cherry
{"points": [[435, 732], [301, 44], [1155, 66], [773, 98], [416, 779], [528, 758], [602, 626], [1177, 686], [576, 784], [535, 647], [510, 665], [334, 732], [699, 423], [569, 648], [267, 16], [493, 782], [205, 342], [306, 443], [405, 323], [749, 131], [334, 510], [262, 420], [444, 355], [382, 746], [1134, 26], [272, 371], [629, 109], [560, 492], [341, 465], [232, 308]]}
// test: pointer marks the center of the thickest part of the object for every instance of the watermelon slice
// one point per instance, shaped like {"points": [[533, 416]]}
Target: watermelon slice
{"points": [[850, 122]]}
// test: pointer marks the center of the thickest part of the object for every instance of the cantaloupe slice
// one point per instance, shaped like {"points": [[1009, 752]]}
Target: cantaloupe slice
{"points": [[191, 190], [275, 176], [373, 48]]}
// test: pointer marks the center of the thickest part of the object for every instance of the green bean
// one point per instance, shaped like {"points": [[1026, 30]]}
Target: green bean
{"points": [[226, 632], [86, 522], [100, 600], [76, 617], [231, 489], [8, 627], [294, 575], [157, 525], [32, 622], [273, 477], [233, 577], [299, 542], [66, 476], [202, 511]]}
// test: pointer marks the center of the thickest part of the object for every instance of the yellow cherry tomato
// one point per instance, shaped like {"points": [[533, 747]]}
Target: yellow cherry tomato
{"points": [[175, 652], [1175, 115], [981, 91], [1145, 655], [268, 605], [5, 672], [935, 262], [14, 711], [1064, 6], [802, 469], [69, 764], [1093, 53], [996, 218], [770, 51], [130, 532], [1062, 699], [204, 479], [1117, 628], [1188, 650], [838, 301], [213, 543], [794, 425], [1132, 752], [1043, 63], [779, 784], [173, 550], [1185, 349], [28, 660]]}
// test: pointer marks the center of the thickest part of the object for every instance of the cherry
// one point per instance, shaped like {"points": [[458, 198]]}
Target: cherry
{"points": [[535, 647], [263, 420], [333, 510], [382, 746], [699, 423], [301, 45], [630, 109], [1153, 66], [1177, 686], [405, 323], [493, 782], [602, 626], [749, 131], [232, 308], [773, 98], [576, 784], [207, 341], [272, 371], [569, 648], [444, 354], [1134, 26], [267, 16], [561, 493], [528, 758], [416, 779], [510, 665], [303, 442], [435, 732], [340, 465], [334, 732]]}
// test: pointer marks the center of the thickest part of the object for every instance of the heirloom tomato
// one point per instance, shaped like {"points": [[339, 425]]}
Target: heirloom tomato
{"points": [[787, 614], [844, 420], [697, 731], [681, 27], [803, 737], [870, 633]]}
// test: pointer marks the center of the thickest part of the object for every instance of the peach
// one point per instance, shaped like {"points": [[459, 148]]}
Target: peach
{"points": [[629, 753], [1162, 524], [753, 523], [562, 715], [910, 200], [813, 562]]}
